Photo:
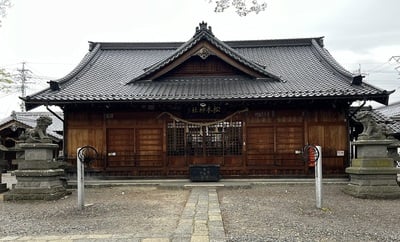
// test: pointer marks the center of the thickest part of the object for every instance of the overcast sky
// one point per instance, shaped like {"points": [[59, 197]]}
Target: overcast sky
{"points": [[52, 36]]}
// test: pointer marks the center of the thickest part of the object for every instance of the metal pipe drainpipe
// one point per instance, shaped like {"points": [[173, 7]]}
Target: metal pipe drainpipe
{"points": [[54, 113], [62, 120]]}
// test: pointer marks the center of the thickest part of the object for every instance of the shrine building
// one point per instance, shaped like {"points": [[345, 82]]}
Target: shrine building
{"points": [[249, 106]]}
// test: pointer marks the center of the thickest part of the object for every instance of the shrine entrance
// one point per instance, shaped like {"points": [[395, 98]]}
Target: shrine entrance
{"points": [[203, 142]]}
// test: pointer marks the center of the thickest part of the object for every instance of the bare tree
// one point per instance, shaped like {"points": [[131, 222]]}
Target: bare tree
{"points": [[242, 7], [5, 80], [5, 77], [4, 4]]}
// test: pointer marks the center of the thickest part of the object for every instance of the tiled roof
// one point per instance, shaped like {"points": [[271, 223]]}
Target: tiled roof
{"points": [[392, 110], [113, 71], [204, 33], [390, 115], [392, 125], [28, 120]]}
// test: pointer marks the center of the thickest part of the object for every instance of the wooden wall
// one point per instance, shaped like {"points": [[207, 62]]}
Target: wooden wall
{"points": [[135, 144], [275, 137]]}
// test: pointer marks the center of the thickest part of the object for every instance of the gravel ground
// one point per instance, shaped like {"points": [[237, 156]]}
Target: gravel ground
{"points": [[136, 210], [261, 213], [289, 213]]}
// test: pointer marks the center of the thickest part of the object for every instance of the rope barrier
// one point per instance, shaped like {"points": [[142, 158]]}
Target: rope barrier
{"points": [[201, 123]]}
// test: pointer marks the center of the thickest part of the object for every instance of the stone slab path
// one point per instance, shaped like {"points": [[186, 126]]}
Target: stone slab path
{"points": [[201, 221]]}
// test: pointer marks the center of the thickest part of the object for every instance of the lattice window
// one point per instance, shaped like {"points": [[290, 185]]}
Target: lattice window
{"points": [[221, 139], [233, 141], [176, 138]]}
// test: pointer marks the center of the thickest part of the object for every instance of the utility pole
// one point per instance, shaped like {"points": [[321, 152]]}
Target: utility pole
{"points": [[23, 77], [397, 59]]}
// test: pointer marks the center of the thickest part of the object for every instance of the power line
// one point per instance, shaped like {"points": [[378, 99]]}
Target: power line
{"points": [[8, 94], [21, 82], [379, 67], [397, 59], [381, 72], [36, 74]]}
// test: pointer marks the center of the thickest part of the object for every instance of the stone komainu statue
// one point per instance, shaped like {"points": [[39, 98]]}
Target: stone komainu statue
{"points": [[37, 134], [371, 129]]}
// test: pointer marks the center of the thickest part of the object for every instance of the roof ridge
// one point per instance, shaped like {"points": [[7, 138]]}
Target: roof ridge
{"points": [[138, 45], [273, 42], [231, 43], [36, 113], [327, 57], [84, 62]]}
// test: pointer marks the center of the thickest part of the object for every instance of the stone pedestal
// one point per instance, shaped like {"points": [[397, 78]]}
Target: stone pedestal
{"points": [[39, 177], [372, 173]]}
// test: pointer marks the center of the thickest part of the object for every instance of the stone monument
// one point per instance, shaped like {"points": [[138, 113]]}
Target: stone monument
{"points": [[39, 175], [372, 172]]}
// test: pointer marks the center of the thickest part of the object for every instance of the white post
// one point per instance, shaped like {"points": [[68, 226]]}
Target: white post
{"points": [[80, 181], [318, 178]]}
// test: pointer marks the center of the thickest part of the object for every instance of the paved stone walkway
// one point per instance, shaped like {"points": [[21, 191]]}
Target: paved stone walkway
{"points": [[200, 221]]}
